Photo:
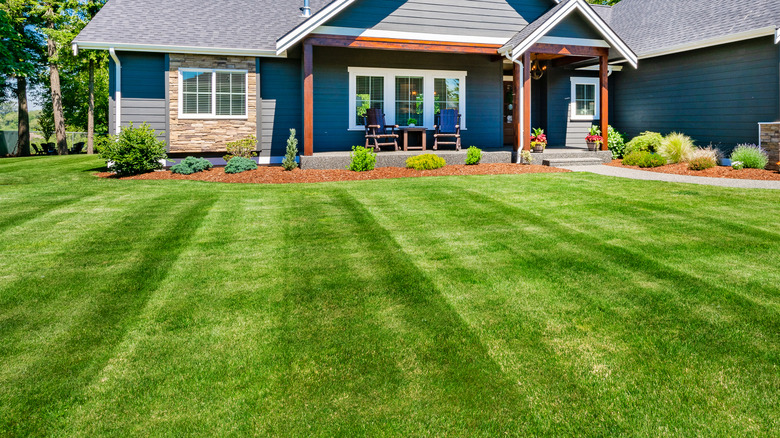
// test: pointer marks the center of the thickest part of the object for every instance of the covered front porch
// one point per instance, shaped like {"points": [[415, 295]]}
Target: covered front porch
{"points": [[403, 77]]}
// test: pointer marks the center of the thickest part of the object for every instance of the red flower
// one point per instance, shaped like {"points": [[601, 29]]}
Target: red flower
{"points": [[594, 139], [539, 139]]}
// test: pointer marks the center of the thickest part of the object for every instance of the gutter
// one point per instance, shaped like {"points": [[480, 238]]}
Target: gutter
{"points": [[117, 90], [158, 48]]}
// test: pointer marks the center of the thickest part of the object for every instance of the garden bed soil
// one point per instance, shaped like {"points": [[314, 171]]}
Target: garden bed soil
{"points": [[715, 172], [277, 175]]}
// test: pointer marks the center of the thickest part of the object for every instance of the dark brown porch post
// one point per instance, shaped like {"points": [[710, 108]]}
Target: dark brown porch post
{"points": [[527, 101], [308, 98], [516, 102], [604, 79]]}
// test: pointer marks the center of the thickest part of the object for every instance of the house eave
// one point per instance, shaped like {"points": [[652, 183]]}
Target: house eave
{"points": [[715, 41], [159, 48], [609, 35]]}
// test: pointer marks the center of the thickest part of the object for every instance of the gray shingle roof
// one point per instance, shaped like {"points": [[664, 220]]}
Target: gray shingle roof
{"points": [[654, 25], [224, 24]]}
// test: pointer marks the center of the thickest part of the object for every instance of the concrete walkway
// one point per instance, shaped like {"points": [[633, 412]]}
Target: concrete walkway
{"points": [[655, 176]]}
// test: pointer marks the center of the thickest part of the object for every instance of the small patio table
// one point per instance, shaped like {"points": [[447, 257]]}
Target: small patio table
{"points": [[423, 133]]}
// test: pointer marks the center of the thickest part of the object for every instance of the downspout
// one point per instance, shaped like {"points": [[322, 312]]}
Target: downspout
{"points": [[117, 91]]}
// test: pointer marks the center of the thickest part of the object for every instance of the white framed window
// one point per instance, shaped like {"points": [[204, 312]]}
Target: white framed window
{"points": [[213, 94], [585, 98], [405, 95]]}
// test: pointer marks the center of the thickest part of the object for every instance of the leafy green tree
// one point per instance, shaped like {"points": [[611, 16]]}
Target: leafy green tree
{"points": [[19, 60], [85, 78]]}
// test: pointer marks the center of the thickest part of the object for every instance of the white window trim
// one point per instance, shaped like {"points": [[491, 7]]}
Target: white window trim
{"points": [[213, 115], [389, 96], [584, 81]]}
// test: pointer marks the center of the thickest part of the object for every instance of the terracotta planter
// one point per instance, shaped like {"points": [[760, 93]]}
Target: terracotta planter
{"points": [[593, 146]]}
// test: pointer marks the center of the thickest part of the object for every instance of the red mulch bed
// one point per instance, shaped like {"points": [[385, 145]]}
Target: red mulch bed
{"points": [[715, 172], [276, 175]]}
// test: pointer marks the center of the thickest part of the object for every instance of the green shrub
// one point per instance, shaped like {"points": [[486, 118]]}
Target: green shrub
{"points": [[751, 156], [191, 165], [646, 142], [616, 142], [289, 162], [644, 159], [425, 162], [526, 157], [240, 164], [473, 155], [246, 148], [676, 148], [701, 163], [134, 151], [362, 159]]}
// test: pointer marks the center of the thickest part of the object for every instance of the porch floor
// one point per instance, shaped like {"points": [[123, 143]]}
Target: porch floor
{"points": [[340, 159]]}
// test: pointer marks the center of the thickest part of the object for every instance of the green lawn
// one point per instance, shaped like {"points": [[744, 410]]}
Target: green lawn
{"points": [[556, 304]]}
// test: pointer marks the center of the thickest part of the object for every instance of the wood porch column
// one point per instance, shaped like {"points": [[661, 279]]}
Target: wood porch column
{"points": [[308, 98], [516, 102], [604, 79], [527, 101]]}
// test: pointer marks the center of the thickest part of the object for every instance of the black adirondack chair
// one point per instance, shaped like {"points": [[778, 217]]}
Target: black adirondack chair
{"points": [[379, 134], [77, 148], [38, 151], [448, 128]]}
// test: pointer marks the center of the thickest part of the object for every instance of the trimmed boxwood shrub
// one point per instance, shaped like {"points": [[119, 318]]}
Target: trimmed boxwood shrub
{"points": [[191, 165], [473, 155], [240, 164], [644, 159], [425, 162], [751, 156], [133, 151], [645, 142], [362, 159]]}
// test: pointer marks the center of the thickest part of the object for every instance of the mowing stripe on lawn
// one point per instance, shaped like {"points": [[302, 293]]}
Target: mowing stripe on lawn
{"points": [[94, 319]]}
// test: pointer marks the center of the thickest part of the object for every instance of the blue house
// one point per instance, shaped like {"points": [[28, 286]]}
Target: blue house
{"points": [[206, 73]]}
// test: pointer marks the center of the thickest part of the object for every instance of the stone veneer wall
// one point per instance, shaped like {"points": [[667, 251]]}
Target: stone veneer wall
{"points": [[770, 141], [209, 135]]}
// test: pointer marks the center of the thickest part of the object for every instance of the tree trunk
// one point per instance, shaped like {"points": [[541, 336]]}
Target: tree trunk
{"points": [[23, 144], [91, 114], [56, 97]]}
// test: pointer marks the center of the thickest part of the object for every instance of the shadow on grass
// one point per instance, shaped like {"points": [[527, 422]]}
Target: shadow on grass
{"points": [[37, 398], [369, 343]]}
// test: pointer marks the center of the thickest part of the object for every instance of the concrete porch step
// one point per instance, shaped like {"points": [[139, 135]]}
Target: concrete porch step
{"points": [[567, 162]]}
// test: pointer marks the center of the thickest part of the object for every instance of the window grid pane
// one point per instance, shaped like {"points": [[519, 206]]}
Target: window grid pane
{"points": [[585, 99], [196, 92], [231, 93], [446, 94], [409, 96], [369, 93]]}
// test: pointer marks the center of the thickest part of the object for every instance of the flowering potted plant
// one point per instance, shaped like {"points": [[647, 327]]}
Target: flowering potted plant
{"points": [[594, 138], [538, 140]]}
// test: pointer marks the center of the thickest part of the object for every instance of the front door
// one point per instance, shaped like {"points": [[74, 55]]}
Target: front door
{"points": [[509, 130]]}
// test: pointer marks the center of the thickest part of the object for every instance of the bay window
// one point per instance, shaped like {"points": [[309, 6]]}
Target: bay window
{"points": [[212, 94], [405, 96]]}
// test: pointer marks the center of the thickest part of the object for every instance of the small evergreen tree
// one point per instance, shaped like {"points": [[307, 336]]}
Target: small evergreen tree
{"points": [[289, 162]]}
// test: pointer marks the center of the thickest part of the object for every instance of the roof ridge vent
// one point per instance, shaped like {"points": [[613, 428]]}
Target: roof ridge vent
{"points": [[306, 9]]}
